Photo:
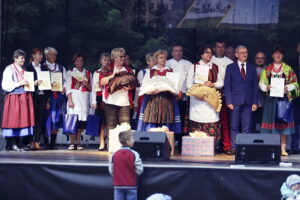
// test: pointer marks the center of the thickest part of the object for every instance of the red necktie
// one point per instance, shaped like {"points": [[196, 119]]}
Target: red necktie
{"points": [[243, 71]]}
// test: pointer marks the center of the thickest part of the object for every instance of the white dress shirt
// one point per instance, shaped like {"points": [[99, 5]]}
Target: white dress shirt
{"points": [[181, 67], [222, 64], [240, 66]]}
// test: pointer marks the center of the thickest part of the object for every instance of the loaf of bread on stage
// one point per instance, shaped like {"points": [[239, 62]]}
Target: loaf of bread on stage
{"points": [[121, 80], [208, 94]]}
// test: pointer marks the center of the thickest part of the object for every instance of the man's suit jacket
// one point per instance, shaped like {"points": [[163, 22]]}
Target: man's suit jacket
{"points": [[239, 91]]}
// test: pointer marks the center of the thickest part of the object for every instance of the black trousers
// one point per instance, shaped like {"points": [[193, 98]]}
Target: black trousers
{"points": [[40, 115]]}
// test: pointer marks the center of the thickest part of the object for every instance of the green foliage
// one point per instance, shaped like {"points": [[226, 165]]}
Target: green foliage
{"points": [[96, 26]]}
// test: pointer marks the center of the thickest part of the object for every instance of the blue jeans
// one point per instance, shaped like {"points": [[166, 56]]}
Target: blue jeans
{"points": [[125, 194]]}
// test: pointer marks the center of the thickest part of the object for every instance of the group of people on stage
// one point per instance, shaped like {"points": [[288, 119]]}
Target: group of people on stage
{"points": [[247, 96]]}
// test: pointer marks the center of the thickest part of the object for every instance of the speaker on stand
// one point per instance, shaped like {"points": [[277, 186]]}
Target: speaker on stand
{"points": [[257, 148]]}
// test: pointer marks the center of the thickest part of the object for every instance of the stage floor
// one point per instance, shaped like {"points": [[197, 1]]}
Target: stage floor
{"points": [[96, 158]]}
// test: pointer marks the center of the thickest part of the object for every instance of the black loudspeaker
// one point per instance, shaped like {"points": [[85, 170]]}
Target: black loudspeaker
{"points": [[152, 145], [257, 148]]}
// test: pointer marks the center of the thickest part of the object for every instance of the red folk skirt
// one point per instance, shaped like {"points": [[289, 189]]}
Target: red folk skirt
{"points": [[18, 111]]}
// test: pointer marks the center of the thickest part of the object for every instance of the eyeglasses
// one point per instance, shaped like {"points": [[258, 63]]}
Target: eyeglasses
{"points": [[261, 58], [208, 52]]}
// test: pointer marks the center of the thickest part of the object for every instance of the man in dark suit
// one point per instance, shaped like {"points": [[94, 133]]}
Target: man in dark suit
{"points": [[295, 64], [241, 92]]}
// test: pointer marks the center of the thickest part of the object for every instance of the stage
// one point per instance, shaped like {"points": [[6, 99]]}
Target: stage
{"points": [[63, 174]]}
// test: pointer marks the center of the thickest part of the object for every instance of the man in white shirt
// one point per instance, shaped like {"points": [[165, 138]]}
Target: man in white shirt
{"points": [[222, 61], [181, 66]]}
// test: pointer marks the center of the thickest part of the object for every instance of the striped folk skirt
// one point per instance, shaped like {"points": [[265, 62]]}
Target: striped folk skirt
{"points": [[159, 110]]}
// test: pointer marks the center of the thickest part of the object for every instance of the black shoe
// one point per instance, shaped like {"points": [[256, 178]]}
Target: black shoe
{"points": [[230, 152]]}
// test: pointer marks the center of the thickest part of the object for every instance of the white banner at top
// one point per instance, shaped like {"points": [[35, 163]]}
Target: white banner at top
{"points": [[208, 8], [253, 12]]}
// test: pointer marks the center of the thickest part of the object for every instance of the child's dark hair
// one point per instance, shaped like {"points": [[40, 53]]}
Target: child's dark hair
{"points": [[124, 136]]}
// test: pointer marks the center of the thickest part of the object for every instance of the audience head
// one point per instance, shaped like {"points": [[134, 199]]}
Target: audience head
{"points": [[126, 138], [293, 182]]}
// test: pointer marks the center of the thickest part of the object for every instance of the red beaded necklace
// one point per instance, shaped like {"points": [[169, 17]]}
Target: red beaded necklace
{"points": [[276, 70]]}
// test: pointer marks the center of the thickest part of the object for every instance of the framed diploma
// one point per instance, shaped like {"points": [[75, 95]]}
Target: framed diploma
{"points": [[77, 75], [277, 87], [29, 77], [44, 76], [96, 82], [175, 78], [56, 82], [201, 74]]}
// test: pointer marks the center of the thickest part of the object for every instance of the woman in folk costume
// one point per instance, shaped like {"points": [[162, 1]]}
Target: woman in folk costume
{"points": [[159, 108], [270, 123], [138, 100], [117, 104], [78, 92], [97, 102], [57, 98], [40, 99], [202, 116], [18, 111]]}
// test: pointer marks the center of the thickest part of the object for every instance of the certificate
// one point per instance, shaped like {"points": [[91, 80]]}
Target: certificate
{"points": [[56, 81], [29, 77], [44, 76], [96, 82], [79, 76], [277, 87], [201, 74], [175, 78]]}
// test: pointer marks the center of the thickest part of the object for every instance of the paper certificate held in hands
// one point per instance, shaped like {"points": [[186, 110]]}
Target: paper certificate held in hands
{"points": [[277, 87], [77, 75], [201, 74], [56, 82], [175, 78], [29, 77], [96, 82], [44, 76]]}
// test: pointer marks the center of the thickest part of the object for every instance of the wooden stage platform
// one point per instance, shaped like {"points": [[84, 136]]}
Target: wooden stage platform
{"points": [[90, 156]]}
